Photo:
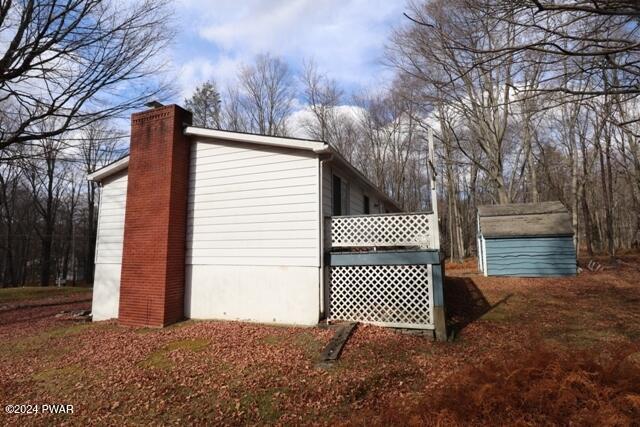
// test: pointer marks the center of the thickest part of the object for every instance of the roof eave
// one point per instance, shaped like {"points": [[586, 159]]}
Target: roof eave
{"points": [[524, 236], [273, 141], [316, 147], [109, 170]]}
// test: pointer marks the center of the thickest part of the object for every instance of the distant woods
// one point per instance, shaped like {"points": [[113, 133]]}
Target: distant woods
{"points": [[533, 101], [530, 100], [66, 69], [49, 210]]}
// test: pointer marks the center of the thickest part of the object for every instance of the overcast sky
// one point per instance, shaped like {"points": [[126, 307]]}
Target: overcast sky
{"points": [[346, 38]]}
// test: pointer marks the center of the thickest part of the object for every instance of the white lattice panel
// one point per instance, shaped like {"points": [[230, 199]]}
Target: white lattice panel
{"points": [[381, 230], [385, 295]]}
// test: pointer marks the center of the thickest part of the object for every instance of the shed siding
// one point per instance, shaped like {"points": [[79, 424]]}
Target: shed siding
{"points": [[109, 238], [530, 256]]}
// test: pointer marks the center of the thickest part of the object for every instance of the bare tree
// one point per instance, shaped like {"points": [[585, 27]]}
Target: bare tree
{"points": [[474, 84], [67, 243], [322, 97], [99, 145], [234, 117], [76, 60], [267, 95], [10, 174], [602, 35], [46, 177]]}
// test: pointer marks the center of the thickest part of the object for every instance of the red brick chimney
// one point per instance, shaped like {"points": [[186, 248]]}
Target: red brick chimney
{"points": [[153, 257]]}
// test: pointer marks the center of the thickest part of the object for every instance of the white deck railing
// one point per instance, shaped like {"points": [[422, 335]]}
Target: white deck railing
{"points": [[383, 230]]}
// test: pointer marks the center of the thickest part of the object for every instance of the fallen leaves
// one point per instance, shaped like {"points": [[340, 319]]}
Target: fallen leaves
{"points": [[238, 373]]}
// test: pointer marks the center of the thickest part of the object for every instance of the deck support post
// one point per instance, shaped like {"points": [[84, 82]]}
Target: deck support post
{"points": [[439, 313]]}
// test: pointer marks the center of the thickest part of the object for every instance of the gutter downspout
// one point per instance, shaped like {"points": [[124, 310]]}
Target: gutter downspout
{"points": [[321, 310], [321, 282]]}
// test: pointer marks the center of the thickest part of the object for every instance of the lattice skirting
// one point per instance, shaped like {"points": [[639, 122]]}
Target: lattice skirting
{"points": [[385, 295]]}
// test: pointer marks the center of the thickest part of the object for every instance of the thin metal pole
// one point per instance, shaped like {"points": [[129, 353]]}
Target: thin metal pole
{"points": [[434, 192]]}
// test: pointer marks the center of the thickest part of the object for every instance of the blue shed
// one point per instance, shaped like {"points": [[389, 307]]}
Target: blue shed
{"points": [[526, 239]]}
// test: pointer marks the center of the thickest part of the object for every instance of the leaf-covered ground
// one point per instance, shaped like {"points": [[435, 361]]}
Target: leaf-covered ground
{"points": [[527, 351]]}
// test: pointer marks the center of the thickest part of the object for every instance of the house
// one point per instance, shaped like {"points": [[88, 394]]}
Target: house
{"points": [[526, 239], [209, 224]]}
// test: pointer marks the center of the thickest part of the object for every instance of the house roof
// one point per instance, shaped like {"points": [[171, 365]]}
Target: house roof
{"points": [[524, 219], [317, 147], [253, 138], [108, 170]]}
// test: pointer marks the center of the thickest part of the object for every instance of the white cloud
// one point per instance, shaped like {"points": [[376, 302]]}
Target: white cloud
{"points": [[296, 122], [200, 69], [345, 37]]}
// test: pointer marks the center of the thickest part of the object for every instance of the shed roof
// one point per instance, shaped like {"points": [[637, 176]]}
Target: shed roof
{"points": [[525, 219], [521, 209]]}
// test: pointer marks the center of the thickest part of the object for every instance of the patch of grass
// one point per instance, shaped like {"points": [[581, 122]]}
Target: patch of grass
{"points": [[191, 345], [497, 314], [629, 329], [305, 341], [60, 381], [264, 403], [150, 330], [309, 344], [159, 359], [42, 342], [34, 293], [583, 337], [272, 340]]}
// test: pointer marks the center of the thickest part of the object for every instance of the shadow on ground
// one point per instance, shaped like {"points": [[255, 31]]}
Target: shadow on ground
{"points": [[465, 303]]}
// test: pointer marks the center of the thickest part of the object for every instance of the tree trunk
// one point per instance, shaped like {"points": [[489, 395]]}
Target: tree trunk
{"points": [[503, 197], [91, 234], [458, 229], [605, 198], [531, 167], [45, 258], [576, 198], [609, 197], [47, 235], [588, 228], [9, 278]]}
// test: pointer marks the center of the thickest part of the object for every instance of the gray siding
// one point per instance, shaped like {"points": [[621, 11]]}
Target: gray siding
{"points": [[531, 256]]}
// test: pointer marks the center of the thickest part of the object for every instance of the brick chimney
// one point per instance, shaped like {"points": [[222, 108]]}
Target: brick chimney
{"points": [[153, 257]]}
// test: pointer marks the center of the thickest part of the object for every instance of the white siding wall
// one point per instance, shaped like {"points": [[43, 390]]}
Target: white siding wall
{"points": [[110, 234], [356, 200], [356, 192], [327, 188], [253, 234]]}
